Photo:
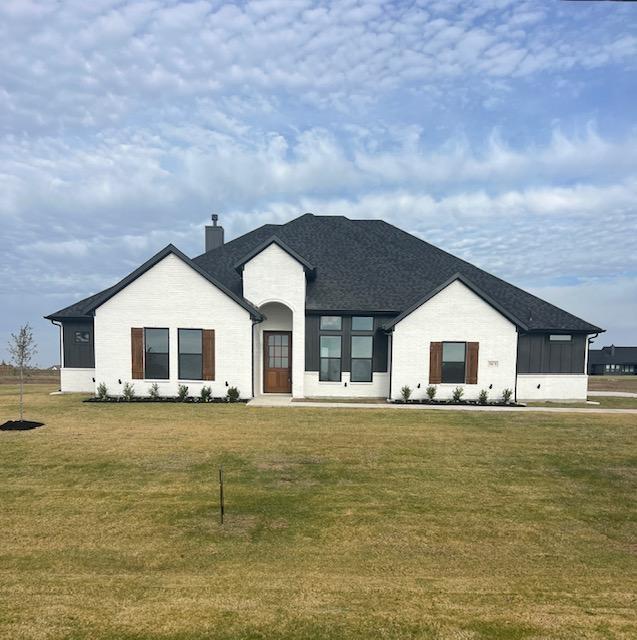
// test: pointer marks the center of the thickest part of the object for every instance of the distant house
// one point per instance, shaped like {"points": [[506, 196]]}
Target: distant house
{"points": [[322, 306], [613, 361]]}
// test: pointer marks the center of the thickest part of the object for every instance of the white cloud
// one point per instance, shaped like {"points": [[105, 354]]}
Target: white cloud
{"points": [[124, 124]]}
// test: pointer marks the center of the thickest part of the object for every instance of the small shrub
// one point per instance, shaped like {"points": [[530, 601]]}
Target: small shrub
{"points": [[182, 392], [431, 391], [457, 393], [405, 392], [102, 391], [205, 393], [506, 395], [153, 392], [483, 397], [233, 394], [128, 392]]}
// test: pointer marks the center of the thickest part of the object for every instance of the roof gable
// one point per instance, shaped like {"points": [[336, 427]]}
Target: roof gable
{"points": [[309, 268], [92, 303], [457, 277]]}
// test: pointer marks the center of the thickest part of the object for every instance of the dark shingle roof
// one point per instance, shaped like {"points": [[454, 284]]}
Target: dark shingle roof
{"points": [[613, 355], [369, 265], [88, 305]]}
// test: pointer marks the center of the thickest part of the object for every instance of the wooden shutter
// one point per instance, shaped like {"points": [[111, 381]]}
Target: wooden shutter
{"points": [[435, 363], [208, 353], [472, 362], [137, 353]]}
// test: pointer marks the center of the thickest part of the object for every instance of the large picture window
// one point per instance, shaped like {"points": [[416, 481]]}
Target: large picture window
{"points": [[362, 349], [330, 351], [156, 354], [453, 361], [190, 354]]}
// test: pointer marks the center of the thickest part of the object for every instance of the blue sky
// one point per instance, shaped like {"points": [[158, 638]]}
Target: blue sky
{"points": [[502, 131]]}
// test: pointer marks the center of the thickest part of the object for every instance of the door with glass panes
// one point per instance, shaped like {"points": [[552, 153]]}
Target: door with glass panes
{"points": [[277, 361]]}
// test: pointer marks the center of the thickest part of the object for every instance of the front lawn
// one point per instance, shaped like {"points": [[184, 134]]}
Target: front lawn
{"points": [[612, 383], [339, 523], [602, 402]]}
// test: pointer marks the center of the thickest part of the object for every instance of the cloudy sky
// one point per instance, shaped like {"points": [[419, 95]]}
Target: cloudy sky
{"points": [[503, 131]]}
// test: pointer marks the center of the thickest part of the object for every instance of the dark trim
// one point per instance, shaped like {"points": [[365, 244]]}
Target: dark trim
{"points": [[562, 330], [179, 352], [458, 276], [350, 312], [168, 353], [309, 268], [158, 257]]}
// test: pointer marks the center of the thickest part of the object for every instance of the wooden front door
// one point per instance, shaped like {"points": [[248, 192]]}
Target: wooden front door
{"points": [[277, 361]]}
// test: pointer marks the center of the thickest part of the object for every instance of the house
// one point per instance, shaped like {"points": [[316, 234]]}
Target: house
{"points": [[613, 361], [321, 306]]}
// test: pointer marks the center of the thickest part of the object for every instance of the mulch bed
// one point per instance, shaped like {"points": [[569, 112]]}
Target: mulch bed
{"points": [[164, 399], [473, 403], [20, 425]]}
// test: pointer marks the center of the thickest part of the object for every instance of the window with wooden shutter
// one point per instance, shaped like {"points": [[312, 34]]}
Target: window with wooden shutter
{"points": [[472, 362], [137, 353], [208, 354], [435, 363]]}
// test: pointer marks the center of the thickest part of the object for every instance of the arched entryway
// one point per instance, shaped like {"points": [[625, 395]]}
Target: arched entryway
{"points": [[276, 348]]}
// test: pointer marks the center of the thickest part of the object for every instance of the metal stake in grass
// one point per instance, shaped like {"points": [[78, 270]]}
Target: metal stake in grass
{"points": [[221, 505]]}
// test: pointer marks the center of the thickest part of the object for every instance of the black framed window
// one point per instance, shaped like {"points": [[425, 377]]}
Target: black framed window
{"points": [[362, 323], [190, 354], [362, 352], [454, 355], [156, 354], [331, 323], [82, 337], [330, 352]]}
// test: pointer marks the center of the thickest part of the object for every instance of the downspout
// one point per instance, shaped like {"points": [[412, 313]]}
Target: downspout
{"points": [[588, 346], [254, 324], [517, 348], [59, 325], [390, 335]]}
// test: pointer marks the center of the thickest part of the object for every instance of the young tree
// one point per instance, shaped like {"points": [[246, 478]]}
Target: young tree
{"points": [[22, 348]]}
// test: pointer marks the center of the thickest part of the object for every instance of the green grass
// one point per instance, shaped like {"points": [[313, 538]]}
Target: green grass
{"points": [[605, 402], [340, 523], [612, 383]]}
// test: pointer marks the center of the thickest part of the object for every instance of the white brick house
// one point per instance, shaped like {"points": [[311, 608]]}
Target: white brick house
{"points": [[322, 306]]}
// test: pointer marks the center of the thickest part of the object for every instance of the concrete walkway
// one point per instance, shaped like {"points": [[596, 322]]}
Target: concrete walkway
{"points": [[279, 401], [613, 394]]}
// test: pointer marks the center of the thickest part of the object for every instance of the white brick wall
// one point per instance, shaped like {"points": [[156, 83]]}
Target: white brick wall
{"points": [[454, 314], [171, 294], [561, 386], [377, 388], [275, 276], [73, 380]]}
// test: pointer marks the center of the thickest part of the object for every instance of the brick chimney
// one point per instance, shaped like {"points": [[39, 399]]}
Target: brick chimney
{"points": [[214, 234]]}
